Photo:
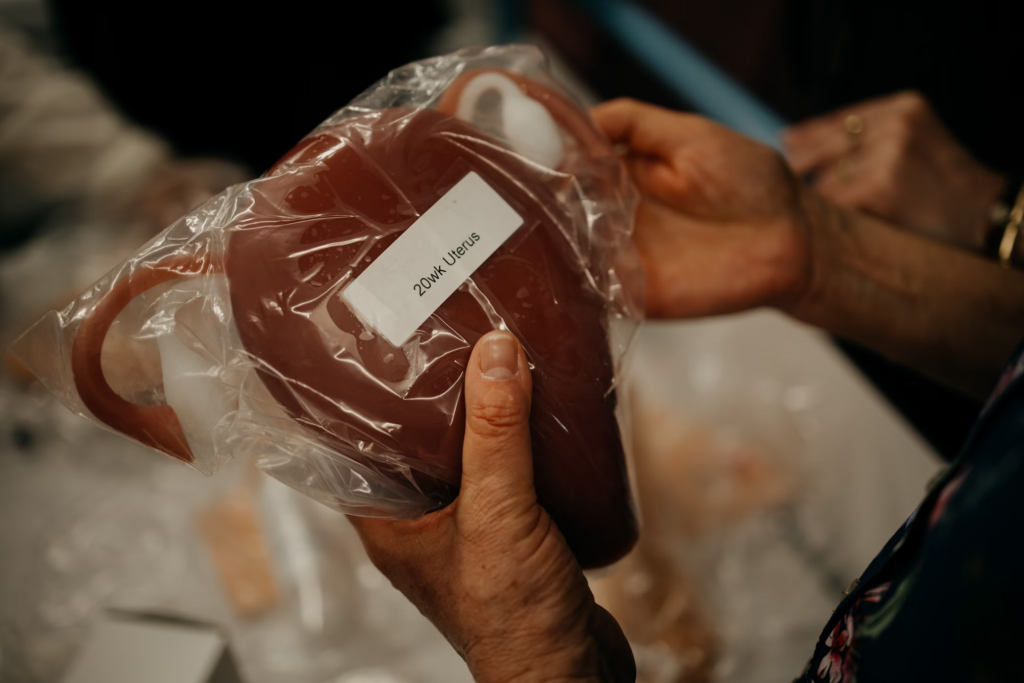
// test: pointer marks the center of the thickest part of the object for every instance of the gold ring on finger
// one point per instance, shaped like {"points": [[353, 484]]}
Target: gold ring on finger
{"points": [[854, 127]]}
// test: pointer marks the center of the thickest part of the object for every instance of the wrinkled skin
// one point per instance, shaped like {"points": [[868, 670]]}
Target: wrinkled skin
{"points": [[721, 225], [491, 570], [906, 168]]}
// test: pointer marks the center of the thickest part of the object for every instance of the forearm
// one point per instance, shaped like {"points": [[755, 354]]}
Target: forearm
{"points": [[945, 312]]}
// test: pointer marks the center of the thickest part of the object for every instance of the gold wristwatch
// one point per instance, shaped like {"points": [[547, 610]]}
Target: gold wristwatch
{"points": [[1005, 218]]}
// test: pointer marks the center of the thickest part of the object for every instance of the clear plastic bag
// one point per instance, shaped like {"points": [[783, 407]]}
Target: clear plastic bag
{"points": [[305, 317]]}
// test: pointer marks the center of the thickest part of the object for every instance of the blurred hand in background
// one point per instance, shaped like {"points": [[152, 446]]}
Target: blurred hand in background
{"points": [[724, 225], [893, 158]]}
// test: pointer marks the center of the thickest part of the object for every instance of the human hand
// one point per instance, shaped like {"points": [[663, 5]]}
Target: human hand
{"points": [[903, 166], [721, 225], [491, 570], [724, 225]]}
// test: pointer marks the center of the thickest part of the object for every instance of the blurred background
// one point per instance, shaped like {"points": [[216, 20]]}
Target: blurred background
{"points": [[771, 461]]}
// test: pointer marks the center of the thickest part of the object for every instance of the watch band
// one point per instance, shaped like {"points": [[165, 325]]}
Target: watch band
{"points": [[1004, 223], [1011, 231]]}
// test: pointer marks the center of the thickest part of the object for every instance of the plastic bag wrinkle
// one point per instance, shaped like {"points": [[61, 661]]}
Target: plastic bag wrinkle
{"points": [[265, 357]]}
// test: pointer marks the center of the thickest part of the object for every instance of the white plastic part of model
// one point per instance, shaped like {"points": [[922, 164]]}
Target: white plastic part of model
{"points": [[193, 386], [527, 125]]}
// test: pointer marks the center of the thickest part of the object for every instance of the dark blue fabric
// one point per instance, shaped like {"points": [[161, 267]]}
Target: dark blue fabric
{"points": [[955, 595]]}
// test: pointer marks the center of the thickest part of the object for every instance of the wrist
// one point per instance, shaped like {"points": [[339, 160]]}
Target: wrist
{"points": [[515, 665], [590, 650], [824, 224]]}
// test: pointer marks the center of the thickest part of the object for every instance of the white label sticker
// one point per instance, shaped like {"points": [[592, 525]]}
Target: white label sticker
{"points": [[432, 258]]}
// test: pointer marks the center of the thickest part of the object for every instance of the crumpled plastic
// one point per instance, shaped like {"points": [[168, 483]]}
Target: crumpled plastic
{"points": [[238, 329]]}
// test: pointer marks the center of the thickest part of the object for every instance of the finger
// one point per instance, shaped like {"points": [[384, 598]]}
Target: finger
{"points": [[816, 143], [839, 189], [820, 141], [858, 188], [660, 180], [497, 463], [645, 128]]}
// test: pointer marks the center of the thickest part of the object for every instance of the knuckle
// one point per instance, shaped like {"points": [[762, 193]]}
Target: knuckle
{"points": [[914, 100], [913, 106], [903, 99], [626, 105], [496, 413], [491, 515]]}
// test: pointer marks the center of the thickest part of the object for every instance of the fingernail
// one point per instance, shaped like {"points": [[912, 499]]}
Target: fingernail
{"points": [[499, 357]]}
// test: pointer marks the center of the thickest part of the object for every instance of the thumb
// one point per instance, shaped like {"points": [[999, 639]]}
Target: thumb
{"points": [[647, 130], [497, 463]]}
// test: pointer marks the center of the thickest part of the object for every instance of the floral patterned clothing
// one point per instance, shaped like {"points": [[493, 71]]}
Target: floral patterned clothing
{"points": [[944, 599]]}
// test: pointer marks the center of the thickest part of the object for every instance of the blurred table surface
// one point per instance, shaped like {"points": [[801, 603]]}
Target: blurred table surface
{"points": [[89, 520]]}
